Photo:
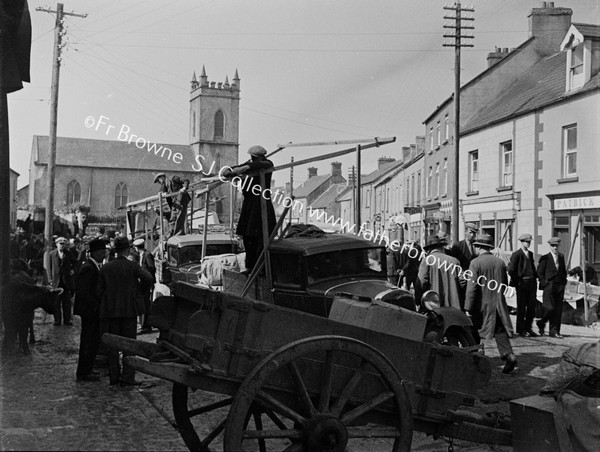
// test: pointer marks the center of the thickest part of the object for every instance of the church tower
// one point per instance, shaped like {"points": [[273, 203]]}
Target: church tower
{"points": [[214, 128]]}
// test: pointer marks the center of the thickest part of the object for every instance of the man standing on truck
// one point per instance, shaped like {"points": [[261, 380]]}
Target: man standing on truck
{"points": [[250, 222]]}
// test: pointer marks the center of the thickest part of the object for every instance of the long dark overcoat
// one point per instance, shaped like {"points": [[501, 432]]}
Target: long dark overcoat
{"points": [[250, 223], [485, 294]]}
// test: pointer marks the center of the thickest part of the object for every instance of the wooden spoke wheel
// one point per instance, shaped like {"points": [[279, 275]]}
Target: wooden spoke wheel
{"points": [[337, 388], [184, 415]]}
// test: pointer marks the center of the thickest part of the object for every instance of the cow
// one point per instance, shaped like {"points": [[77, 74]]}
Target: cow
{"points": [[20, 298]]}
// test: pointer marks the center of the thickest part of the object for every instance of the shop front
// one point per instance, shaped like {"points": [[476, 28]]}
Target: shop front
{"points": [[495, 217], [572, 215]]}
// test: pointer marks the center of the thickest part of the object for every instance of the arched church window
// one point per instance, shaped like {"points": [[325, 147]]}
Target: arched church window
{"points": [[219, 124], [121, 195], [73, 192]]}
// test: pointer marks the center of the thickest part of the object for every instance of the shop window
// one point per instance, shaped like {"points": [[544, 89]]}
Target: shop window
{"points": [[506, 164], [565, 240], [570, 151], [505, 234], [592, 244], [474, 171], [73, 192]]}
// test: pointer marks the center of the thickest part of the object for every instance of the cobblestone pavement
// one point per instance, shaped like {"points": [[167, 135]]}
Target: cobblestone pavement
{"points": [[42, 407]]}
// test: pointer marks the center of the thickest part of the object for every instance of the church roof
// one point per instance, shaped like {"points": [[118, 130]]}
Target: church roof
{"points": [[84, 152]]}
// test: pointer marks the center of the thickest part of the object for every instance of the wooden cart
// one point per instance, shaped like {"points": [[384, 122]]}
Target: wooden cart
{"points": [[302, 382]]}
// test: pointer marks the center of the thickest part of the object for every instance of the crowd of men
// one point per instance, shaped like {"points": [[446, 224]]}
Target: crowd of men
{"points": [[487, 306]]}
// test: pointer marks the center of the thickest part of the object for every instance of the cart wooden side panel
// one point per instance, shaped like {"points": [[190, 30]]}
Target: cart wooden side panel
{"points": [[230, 335]]}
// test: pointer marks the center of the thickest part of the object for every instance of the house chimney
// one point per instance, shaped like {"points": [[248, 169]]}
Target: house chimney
{"points": [[406, 157], [336, 168], [548, 25], [312, 171], [384, 161], [495, 56]]}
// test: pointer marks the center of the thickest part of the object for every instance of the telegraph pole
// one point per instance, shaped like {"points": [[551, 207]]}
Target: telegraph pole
{"points": [[456, 32], [58, 45]]}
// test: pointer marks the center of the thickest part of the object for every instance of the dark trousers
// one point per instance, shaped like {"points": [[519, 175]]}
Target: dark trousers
{"points": [[147, 303], [253, 246], [502, 339], [126, 327], [553, 304], [88, 344], [526, 302], [62, 306]]}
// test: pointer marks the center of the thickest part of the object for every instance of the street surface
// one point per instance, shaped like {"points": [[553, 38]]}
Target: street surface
{"points": [[42, 407]]}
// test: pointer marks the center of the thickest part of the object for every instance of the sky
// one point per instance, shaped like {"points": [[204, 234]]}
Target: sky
{"points": [[310, 70]]}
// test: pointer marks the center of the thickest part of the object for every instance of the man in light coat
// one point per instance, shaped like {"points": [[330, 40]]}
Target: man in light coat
{"points": [[440, 272], [485, 300]]}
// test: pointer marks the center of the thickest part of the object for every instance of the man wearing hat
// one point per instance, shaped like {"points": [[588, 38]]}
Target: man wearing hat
{"points": [[165, 186], [465, 253], [522, 272], [87, 306], [146, 261], [250, 222], [442, 276], [119, 285], [61, 273], [552, 274], [485, 299]]}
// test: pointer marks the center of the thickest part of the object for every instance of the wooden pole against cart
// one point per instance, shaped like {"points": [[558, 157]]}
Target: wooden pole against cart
{"points": [[582, 263]]}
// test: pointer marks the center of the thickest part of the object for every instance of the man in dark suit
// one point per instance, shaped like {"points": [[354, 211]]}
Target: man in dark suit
{"points": [[552, 273], [87, 305], [521, 270], [61, 272], [119, 285], [250, 222], [464, 251], [146, 261]]}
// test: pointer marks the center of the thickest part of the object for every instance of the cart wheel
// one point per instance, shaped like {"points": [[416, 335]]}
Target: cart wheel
{"points": [[183, 418], [343, 371]]}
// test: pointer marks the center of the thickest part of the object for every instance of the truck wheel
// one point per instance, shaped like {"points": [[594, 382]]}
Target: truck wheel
{"points": [[317, 394]]}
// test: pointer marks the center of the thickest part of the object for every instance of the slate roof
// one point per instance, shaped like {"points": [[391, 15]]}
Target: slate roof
{"points": [[380, 172], [85, 152], [541, 86], [589, 30], [310, 185], [328, 196]]}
